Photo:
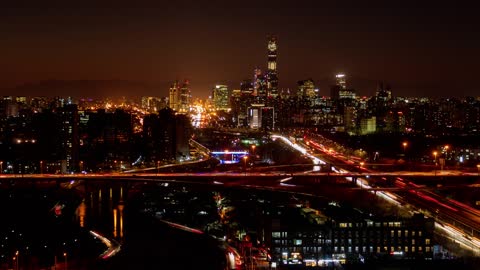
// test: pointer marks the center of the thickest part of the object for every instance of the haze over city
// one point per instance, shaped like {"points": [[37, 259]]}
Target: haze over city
{"points": [[425, 49], [222, 135]]}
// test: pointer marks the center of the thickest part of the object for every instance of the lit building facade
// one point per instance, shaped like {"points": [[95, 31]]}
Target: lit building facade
{"points": [[341, 81], [261, 116], [180, 97], [153, 104], [220, 97], [174, 96], [340, 90], [349, 239], [368, 125], [259, 85], [272, 75], [69, 138], [185, 97]]}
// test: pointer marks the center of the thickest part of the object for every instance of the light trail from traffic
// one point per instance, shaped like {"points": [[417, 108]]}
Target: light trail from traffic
{"points": [[449, 230]]}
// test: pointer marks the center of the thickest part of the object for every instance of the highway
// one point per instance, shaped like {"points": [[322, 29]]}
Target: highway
{"points": [[454, 220], [338, 173]]}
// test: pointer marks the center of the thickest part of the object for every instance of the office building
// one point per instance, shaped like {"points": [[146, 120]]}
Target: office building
{"points": [[220, 98], [185, 98], [174, 96], [272, 76], [306, 89]]}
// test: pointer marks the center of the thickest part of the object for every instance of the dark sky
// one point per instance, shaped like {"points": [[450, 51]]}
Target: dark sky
{"points": [[420, 49]]}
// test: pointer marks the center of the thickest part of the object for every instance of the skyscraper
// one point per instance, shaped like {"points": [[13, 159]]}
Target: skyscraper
{"points": [[180, 97], [383, 93], [258, 83], [271, 76], [272, 54], [341, 81], [185, 97], [220, 97], [173, 101], [339, 90], [306, 89]]}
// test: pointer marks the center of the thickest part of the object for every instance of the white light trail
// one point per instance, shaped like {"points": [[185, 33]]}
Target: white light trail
{"points": [[456, 234]]}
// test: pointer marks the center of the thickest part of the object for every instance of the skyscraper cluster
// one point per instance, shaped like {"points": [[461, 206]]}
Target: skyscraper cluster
{"points": [[254, 104], [53, 135], [265, 84]]}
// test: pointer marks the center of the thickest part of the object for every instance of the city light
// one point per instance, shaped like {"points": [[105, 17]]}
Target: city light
{"points": [[220, 136]]}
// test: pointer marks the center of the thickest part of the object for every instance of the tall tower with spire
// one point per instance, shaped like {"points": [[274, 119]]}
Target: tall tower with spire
{"points": [[271, 76]]}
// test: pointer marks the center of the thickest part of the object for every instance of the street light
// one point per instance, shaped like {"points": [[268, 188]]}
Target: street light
{"points": [[17, 260], [245, 160], [1, 167], [41, 167], [435, 153], [81, 166], [66, 265], [253, 149], [404, 144], [478, 167]]}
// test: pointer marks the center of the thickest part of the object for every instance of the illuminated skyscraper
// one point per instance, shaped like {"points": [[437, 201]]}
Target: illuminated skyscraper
{"points": [[341, 81], [220, 97], [174, 99], [180, 97], [185, 97], [306, 89], [339, 90], [258, 83], [272, 54], [241, 100], [271, 76]]}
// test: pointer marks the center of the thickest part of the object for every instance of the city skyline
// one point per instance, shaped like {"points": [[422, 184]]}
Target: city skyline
{"points": [[408, 46]]}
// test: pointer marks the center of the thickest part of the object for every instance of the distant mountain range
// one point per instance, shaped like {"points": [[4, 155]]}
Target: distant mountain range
{"points": [[118, 88], [86, 88]]}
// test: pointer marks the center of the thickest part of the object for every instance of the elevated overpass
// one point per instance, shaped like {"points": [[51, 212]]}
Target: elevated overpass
{"points": [[458, 221], [272, 179]]}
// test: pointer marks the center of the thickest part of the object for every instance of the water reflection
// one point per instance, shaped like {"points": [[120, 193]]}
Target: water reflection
{"points": [[106, 213], [81, 213], [94, 219], [45, 221]]}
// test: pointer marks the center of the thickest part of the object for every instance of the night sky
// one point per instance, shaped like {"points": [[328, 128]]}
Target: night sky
{"points": [[428, 50]]}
